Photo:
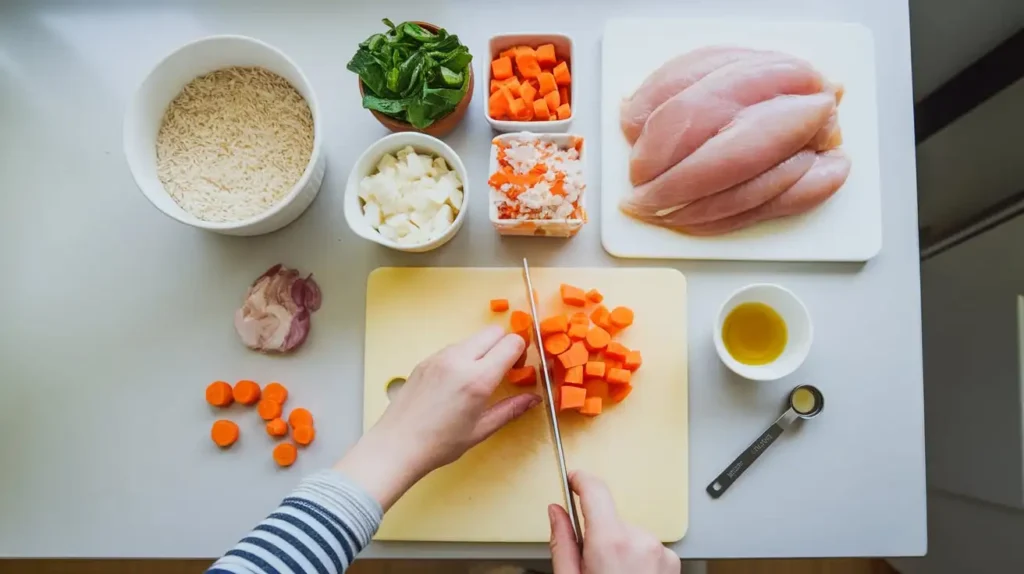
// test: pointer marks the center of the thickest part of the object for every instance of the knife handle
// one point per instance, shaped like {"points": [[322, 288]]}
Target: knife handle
{"points": [[743, 461]]}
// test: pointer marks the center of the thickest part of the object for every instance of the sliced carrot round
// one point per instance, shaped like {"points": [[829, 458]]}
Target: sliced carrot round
{"points": [[224, 433], [597, 339], [621, 317], [277, 427], [557, 344], [303, 434], [275, 392], [246, 392], [219, 394], [285, 454], [300, 417], [268, 409]]}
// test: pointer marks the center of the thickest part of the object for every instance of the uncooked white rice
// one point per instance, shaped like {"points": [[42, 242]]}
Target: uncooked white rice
{"points": [[233, 143]]}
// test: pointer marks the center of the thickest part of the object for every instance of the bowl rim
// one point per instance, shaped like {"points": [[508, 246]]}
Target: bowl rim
{"points": [[519, 125], [307, 173], [761, 372], [354, 177]]}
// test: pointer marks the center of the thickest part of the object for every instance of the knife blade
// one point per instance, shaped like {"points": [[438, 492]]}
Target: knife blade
{"points": [[570, 501]]}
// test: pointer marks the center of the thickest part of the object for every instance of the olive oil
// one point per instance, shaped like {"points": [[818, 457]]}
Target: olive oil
{"points": [[754, 334]]}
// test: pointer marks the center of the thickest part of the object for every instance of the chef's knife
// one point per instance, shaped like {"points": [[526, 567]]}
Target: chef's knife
{"points": [[570, 501]]}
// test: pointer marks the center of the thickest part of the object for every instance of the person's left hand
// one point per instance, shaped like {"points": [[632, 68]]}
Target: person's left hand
{"points": [[440, 412]]}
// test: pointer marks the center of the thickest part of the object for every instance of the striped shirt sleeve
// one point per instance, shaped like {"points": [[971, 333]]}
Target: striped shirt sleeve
{"points": [[319, 528]]}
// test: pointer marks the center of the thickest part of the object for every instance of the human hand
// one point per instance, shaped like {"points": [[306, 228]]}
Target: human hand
{"points": [[610, 546], [440, 412]]}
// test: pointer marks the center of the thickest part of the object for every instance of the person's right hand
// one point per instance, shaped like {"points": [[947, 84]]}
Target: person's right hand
{"points": [[610, 545]]}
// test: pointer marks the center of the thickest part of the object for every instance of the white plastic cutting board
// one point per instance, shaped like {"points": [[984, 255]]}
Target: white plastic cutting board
{"points": [[499, 491], [848, 227]]}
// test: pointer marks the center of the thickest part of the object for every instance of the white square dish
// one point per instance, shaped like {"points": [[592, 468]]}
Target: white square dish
{"points": [[564, 50]]}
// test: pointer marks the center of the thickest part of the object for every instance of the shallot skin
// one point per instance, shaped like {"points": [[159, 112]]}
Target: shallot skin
{"points": [[276, 314]]}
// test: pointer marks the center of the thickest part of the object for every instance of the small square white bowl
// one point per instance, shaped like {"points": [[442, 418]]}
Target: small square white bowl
{"points": [[535, 227], [564, 50]]}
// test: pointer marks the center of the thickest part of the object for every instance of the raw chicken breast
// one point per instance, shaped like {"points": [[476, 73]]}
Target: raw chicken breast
{"points": [[758, 138], [825, 177], [671, 78], [690, 118]]}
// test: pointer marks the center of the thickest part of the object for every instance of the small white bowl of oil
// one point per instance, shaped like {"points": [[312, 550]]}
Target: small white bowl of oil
{"points": [[763, 332]]}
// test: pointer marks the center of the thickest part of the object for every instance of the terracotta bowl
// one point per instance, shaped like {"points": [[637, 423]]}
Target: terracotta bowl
{"points": [[441, 126]]}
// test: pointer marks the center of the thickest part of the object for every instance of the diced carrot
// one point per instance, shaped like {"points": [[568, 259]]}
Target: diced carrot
{"points": [[540, 110], [557, 344], [591, 406], [507, 93], [514, 86], [618, 376], [497, 105], [499, 305], [573, 296], [554, 324], [546, 55], [276, 392], [521, 360], [285, 454], [520, 321], [552, 99], [526, 63], [597, 339], [616, 393], [616, 351], [578, 331], [564, 112], [598, 314], [277, 427], [501, 68], [495, 84], [523, 376], [246, 392], [224, 432], [219, 394], [303, 434], [574, 375], [594, 296], [547, 83], [576, 356], [510, 53], [622, 317], [528, 93], [579, 317], [610, 364], [594, 370], [571, 397], [563, 94], [526, 50], [517, 109], [268, 409], [633, 361], [299, 417], [561, 72]]}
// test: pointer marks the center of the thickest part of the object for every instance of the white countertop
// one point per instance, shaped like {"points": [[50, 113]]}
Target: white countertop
{"points": [[117, 317]]}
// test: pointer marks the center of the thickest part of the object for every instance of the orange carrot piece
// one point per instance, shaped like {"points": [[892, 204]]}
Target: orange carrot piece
{"points": [[501, 68], [598, 314], [246, 392], [578, 331], [594, 296], [553, 100], [555, 324], [224, 433], [633, 361], [622, 317], [591, 406], [564, 112], [299, 417], [616, 351], [526, 63], [276, 392], [561, 72], [514, 86], [576, 356], [528, 93], [546, 55], [557, 343], [285, 454], [268, 409], [520, 321], [219, 394], [510, 53], [517, 110], [594, 370], [499, 305], [546, 83], [563, 94], [597, 339], [574, 376], [495, 85], [303, 434], [523, 376], [616, 393], [540, 110], [571, 397], [526, 50], [277, 427], [573, 296], [579, 317], [618, 377], [497, 105], [521, 360], [507, 94]]}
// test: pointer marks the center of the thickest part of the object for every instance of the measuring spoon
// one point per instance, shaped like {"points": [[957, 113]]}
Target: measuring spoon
{"points": [[804, 402]]}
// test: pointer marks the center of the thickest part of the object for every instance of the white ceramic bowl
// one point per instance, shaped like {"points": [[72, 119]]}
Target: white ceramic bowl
{"points": [[536, 227], [367, 164], [798, 326], [563, 49], [165, 82]]}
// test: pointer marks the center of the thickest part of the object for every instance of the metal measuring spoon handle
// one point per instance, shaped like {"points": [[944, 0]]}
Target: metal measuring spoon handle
{"points": [[747, 458]]}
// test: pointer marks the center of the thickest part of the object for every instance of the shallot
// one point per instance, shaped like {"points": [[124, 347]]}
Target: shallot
{"points": [[275, 316]]}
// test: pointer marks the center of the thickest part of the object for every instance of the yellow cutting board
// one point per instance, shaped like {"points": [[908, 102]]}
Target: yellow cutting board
{"points": [[499, 491]]}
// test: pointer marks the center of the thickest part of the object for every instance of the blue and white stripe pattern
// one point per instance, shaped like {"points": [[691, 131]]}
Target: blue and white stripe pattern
{"points": [[318, 529]]}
